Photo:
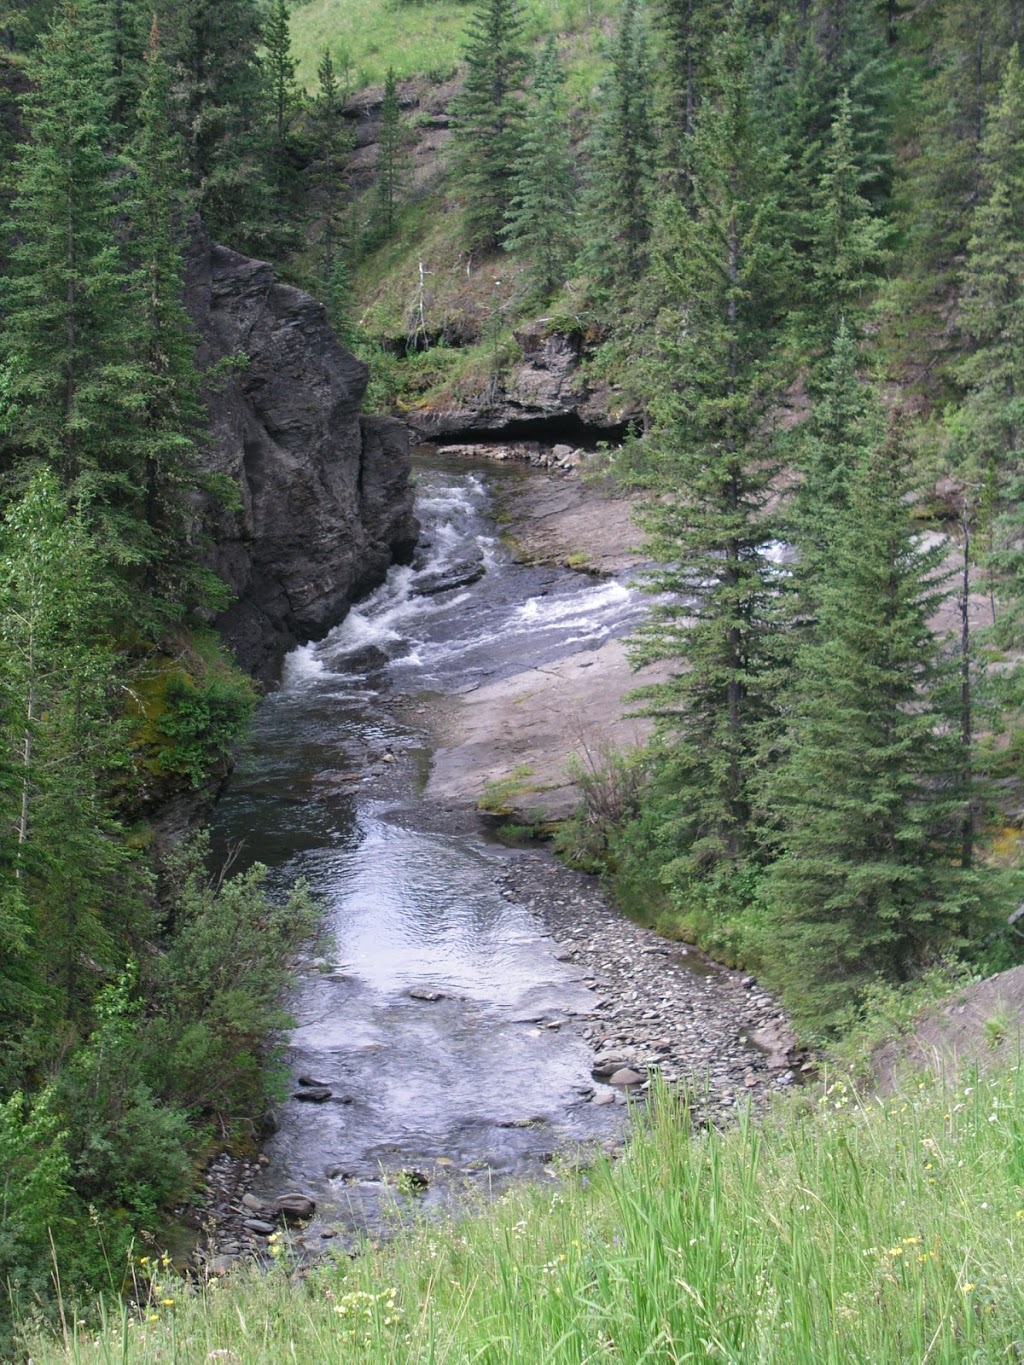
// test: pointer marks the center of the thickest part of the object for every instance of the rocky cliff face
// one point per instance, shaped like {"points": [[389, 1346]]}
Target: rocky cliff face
{"points": [[326, 505], [542, 395]]}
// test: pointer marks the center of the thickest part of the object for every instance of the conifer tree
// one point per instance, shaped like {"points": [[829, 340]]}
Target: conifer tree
{"points": [[969, 44], [845, 421], [488, 118], [689, 27], [280, 67], [866, 882], [847, 240], [540, 226], [223, 106], [65, 315], [332, 143], [392, 159], [616, 210], [163, 383], [711, 397], [987, 431], [126, 25]]}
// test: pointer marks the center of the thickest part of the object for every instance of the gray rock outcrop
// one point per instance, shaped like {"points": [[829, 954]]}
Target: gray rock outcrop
{"points": [[542, 393], [325, 504]]}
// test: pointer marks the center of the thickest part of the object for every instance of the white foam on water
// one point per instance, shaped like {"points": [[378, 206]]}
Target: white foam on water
{"points": [[572, 612], [302, 666]]}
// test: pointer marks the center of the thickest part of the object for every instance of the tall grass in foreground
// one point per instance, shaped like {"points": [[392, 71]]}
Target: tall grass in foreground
{"points": [[832, 1231]]}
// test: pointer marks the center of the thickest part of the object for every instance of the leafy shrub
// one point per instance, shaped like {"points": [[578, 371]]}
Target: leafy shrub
{"points": [[218, 989], [611, 787], [201, 722], [34, 1171]]}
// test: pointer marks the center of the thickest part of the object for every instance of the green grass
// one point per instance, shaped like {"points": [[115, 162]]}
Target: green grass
{"points": [[426, 39], [834, 1231]]}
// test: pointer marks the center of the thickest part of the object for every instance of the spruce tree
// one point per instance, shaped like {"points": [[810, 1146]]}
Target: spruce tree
{"points": [[332, 142], [844, 422], [280, 67], [969, 42], [392, 160], [540, 225], [711, 398], [223, 112], [689, 27], [866, 882], [163, 382], [488, 118], [987, 431], [59, 854], [846, 240], [65, 313], [616, 209]]}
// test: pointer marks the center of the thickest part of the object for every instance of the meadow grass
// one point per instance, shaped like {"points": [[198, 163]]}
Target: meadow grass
{"points": [[834, 1230], [365, 37]]}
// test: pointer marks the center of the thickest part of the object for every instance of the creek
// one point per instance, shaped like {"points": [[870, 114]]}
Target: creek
{"points": [[437, 1015]]}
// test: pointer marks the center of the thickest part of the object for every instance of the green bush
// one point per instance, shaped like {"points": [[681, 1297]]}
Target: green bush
{"points": [[217, 990], [201, 722]]}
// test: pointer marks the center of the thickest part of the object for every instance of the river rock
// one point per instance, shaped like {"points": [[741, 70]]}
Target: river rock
{"points": [[259, 1226], [458, 576], [314, 1094], [425, 993], [251, 1202], [295, 1208], [625, 1076], [325, 504], [313, 1082]]}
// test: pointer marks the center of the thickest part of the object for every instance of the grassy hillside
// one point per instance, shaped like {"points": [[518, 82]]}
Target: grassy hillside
{"points": [[425, 39], [837, 1231]]}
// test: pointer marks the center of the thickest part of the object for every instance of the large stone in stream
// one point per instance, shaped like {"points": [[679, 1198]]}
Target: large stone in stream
{"points": [[295, 1208], [313, 1094], [445, 580]]}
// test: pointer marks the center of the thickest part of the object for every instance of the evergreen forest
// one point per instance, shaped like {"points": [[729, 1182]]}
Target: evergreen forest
{"points": [[787, 234]]}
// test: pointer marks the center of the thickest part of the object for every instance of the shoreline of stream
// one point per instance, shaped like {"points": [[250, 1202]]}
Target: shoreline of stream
{"points": [[658, 1007]]}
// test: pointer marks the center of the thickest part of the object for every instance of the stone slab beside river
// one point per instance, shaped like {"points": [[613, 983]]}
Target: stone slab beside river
{"points": [[533, 722]]}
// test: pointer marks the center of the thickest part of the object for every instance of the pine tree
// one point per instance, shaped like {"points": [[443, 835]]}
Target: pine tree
{"points": [[65, 315], [987, 431], [488, 118], [392, 160], [616, 210], [711, 399], [223, 111], [847, 243], [866, 883], [280, 67], [332, 143], [163, 382], [540, 226]]}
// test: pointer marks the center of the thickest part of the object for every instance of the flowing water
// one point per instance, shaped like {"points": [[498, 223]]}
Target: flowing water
{"points": [[479, 1081]]}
